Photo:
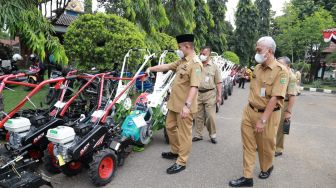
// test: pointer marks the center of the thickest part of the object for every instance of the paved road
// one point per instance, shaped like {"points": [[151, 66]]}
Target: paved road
{"points": [[309, 158]]}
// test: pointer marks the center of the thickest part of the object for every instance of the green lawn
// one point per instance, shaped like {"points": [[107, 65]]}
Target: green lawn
{"points": [[12, 98], [322, 86]]}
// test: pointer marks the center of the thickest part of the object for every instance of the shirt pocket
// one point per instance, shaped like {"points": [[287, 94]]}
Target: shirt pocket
{"points": [[269, 87]]}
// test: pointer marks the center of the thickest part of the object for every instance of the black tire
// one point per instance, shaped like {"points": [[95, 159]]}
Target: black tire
{"points": [[222, 102], [49, 163], [230, 89], [217, 108], [225, 94], [50, 97], [31, 81], [72, 168], [103, 167], [166, 135]]}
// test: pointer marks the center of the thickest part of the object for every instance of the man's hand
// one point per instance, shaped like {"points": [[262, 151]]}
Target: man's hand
{"points": [[287, 115], [148, 71], [219, 99], [259, 127], [185, 112]]}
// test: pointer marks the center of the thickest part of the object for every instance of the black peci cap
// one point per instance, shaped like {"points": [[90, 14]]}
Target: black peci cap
{"points": [[185, 38]]}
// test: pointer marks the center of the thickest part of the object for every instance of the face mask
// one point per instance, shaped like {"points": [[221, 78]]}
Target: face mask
{"points": [[203, 58], [180, 53], [260, 58]]}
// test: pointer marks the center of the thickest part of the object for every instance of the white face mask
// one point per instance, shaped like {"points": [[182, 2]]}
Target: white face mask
{"points": [[203, 58], [260, 58], [180, 53]]}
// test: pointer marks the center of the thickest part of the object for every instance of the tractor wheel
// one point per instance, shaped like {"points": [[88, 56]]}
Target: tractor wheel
{"points": [[103, 167], [72, 168], [166, 135], [50, 97], [31, 81], [50, 163]]}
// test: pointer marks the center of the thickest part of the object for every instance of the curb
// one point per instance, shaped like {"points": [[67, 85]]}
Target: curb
{"points": [[318, 90]]}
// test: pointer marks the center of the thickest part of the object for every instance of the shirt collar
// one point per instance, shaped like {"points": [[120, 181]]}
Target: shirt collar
{"points": [[272, 65]]}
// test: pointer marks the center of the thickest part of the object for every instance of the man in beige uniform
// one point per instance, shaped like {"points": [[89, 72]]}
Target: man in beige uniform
{"points": [[261, 116], [182, 102], [209, 93], [286, 111]]}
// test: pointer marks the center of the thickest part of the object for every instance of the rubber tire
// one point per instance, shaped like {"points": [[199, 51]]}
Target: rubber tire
{"points": [[166, 135], [50, 97], [31, 81], [48, 164], [225, 94], [217, 108], [94, 167], [222, 102], [71, 172], [230, 90]]}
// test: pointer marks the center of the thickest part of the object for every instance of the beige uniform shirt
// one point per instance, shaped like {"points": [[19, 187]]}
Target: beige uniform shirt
{"points": [[188, 73], [266, 83], [292, 87], [210, 76]]}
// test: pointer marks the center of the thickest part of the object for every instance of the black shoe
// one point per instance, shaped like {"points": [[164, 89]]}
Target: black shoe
{"points": [[265, 175], [176, 168], [242, 182], [213, 140], [195, 139], [277, 154], [169, 155]]}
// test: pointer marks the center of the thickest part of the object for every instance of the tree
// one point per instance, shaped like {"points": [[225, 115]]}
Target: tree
{"points": [[101, 40], [264, 10], [204, 22], [88, 6], [181, 16], [246, 27], [217, 37], [231, 56], [230, 37], [149, 15], [311, 36], [22, 18]]}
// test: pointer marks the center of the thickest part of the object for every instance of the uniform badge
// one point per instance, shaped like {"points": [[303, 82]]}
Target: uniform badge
{"points": [[283, 80], [198, 71]]}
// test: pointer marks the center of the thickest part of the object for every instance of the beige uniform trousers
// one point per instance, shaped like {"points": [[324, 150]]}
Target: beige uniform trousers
{"points": [[180, 135], [265, 141], [206, 113], [280, 139]]}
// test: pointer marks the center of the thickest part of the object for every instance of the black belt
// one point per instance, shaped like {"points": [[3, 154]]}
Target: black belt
{"points": [[204, 91], [263, 110]]}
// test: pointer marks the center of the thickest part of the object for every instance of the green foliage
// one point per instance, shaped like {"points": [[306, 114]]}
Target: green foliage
{"points": [[203, 20], [118, 35], [246, 27], [88, 6], [181, 14], [159, 119], [301, 66], [317, 84], [22, 18], [149, 15], [231, 56], [161, 41], [331, 58], [4, 35], [217, 35], [264, 10]]}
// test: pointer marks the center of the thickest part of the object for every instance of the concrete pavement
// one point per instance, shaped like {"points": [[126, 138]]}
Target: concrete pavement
{"points": [[308, 161]]}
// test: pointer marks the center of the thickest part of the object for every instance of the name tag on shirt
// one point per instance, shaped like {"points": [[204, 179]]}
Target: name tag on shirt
{"points": [[206, 79], [263, 92]]}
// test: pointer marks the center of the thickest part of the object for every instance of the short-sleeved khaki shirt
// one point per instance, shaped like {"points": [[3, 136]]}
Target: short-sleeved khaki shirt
{"points": [[274, 78], [188, 73], [210, 76], [292, 86]]}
